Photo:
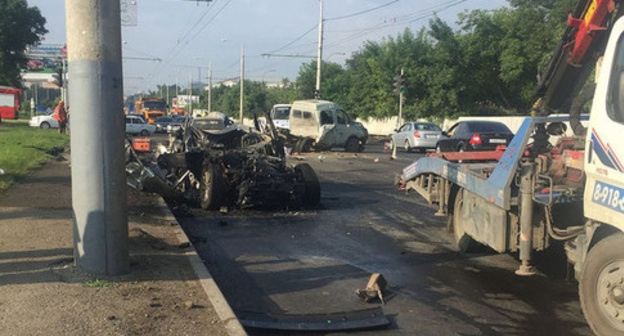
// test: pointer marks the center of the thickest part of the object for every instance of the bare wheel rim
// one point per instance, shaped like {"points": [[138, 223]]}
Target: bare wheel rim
{"points": [[207, 180], [610, 293]]}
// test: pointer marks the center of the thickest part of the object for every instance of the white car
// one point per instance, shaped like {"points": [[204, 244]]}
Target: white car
{"points": [[136, 125], [43, 121], [417, 135]]}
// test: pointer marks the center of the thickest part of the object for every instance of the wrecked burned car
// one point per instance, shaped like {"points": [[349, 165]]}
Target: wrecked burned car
{"points": [[228, 167]]}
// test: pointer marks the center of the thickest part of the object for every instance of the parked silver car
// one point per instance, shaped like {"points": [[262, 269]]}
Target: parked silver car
{"points": [[417, 135]]}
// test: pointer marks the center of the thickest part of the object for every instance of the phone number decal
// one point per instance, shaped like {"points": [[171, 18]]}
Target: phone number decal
{"points": [[609, 196]]}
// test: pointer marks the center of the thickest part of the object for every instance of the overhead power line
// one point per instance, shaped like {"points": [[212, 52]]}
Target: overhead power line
{"points": [[362, 12], [291, 56], [404, 19], [176, 53], [293, 41]]}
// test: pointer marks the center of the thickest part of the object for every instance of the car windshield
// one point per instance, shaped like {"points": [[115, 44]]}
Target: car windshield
{"points": [[281, 112], [154, 115], [428, 127], [163, 119], [155, 105], [488, 127], [209, 124]]}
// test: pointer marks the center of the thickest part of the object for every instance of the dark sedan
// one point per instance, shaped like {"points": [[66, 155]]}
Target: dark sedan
{"points": [[474, 136], [162, 123]]}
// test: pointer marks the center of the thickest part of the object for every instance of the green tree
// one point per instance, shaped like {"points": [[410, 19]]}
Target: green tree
{"points": [[20, 26], [306, 81]]}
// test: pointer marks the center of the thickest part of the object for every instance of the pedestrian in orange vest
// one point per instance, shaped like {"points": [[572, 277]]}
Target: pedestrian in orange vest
{"points": [[61, 116]]}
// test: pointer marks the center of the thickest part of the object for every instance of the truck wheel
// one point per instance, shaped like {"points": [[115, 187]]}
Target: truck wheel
{"points": [[45, 125], [601, 287], [213, 188], [144, 133], [464, 242], [352, 145], [312, 193], [303, 145]]}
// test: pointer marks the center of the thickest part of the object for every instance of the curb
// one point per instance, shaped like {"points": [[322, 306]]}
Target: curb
{"points": [[220, 304]]}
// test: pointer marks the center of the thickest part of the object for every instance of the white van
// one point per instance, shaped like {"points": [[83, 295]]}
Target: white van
{"points": [[280, 115], [325, 125]]}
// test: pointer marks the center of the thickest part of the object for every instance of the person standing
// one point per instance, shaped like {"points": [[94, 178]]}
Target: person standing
{"points": [[61, 116]]}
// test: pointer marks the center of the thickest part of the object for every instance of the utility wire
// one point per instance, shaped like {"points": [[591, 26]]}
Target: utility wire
{"points": [[293, 41], [330, 19], [408, 18], [185, 35], [174, 55], [362, 12]]}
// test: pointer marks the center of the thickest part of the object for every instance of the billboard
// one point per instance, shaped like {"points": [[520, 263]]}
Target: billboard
{"points": [[47, 51], [183, 100], [128, 13]]}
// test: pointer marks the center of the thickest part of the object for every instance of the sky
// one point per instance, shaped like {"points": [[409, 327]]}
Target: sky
{"points": [[187, 36]]}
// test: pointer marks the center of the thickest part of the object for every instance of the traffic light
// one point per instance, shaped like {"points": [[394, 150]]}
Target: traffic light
{"points": [[400, 83], [57, 77]]}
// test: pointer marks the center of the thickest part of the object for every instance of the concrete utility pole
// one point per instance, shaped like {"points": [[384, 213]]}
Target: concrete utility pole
{"points": [[242, 81], [319, 59], [209, 87], [399, 123], [98, 169], [190, 96]]}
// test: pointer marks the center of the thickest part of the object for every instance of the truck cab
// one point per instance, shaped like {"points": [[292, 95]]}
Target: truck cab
{"points": [[151, 109]]}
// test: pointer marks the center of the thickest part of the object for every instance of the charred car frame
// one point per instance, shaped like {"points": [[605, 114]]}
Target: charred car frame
{"points": [[229, 167]]}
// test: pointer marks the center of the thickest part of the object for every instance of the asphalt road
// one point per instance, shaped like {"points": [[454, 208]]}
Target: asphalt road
{"points": [[273, 266]]}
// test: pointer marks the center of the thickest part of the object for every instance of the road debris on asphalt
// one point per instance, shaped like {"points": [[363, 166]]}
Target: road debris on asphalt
{"points": [[374, 288]]}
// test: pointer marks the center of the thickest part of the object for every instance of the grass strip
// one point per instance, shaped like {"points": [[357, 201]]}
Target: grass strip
{"points": [[24, 149]]}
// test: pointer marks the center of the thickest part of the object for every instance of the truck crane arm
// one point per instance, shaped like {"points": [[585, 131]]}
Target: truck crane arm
{"points": [[582, 43]]}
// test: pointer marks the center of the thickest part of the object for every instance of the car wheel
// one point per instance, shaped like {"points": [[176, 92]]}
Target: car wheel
{"points": [[144, 133], [312, 187], [212, 191], [461, 149], [352, 144], [45, 125], [463, 241], [407, 146], [601, 290]]}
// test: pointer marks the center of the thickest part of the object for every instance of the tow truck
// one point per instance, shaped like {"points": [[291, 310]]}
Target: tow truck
{"points": [[525, 197]]}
